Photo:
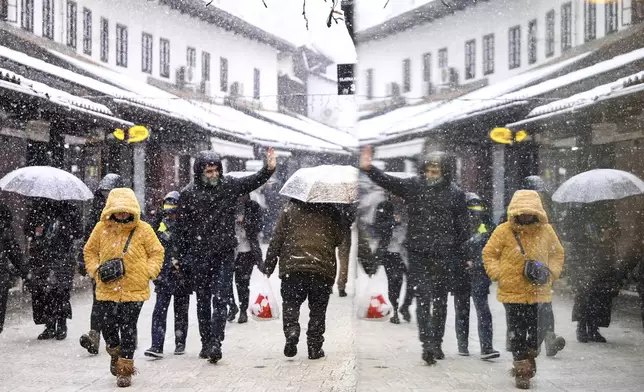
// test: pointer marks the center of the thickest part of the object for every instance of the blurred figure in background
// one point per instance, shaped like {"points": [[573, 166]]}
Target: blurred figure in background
{"points": [[10, 259]]}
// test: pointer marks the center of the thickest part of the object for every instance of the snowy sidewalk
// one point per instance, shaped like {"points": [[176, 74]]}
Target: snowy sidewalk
{"points": [[361, 356]]}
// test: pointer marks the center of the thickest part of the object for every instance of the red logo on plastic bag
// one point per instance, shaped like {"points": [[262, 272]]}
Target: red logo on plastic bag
{"points": [[262, 307], [378, 307]]}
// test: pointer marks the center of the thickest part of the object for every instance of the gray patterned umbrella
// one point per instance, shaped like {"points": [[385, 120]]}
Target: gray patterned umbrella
{"points": [[323, 184], [599, 184], [45, 181]]}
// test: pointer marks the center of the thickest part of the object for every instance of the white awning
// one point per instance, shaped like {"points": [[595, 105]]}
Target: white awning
{"points": [[476, 101], [399, 150], [226, 148], [624, 86], [313, 128]]}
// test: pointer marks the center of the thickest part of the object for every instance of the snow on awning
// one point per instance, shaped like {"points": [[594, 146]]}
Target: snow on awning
{"points": [[85, 81], [312, 128], [264, 132], [627, 85], [44, 91], [377, 126], [226, 148], [570, 78], [475, 101], [397, 150], [15, 82]]}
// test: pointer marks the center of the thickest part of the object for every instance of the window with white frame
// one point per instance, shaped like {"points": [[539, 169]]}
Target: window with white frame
{"points": [[121, 45], [48, 19], [205, 66], [87, 31], [147, 56], [514, 47], [470, 59], [191, 57], [406, 75], [427, 67], [105, 40], [370, 83], [164, 58], [442, 58], [256, 83], [566, 26], [27, 15], [532, 41], [611, 17], [488, 54], [72, 23], [550, 33], [223, 74], [590, 21]]}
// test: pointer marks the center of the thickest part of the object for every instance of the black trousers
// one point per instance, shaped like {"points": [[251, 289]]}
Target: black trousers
{"points": [[243, 270], [428, 274], [95, 316], [160, 318], [119, 325], [213, 296], [4, 297], [483, 315], [527, 327], [395, 271], [297, 288]]}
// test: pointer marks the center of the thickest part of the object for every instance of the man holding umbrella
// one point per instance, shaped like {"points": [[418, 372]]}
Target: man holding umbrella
{"points": [[206, 234], [437, 231]]}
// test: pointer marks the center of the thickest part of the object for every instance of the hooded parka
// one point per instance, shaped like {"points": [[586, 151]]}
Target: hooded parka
{"points": [[502, 256], [143, 259]]}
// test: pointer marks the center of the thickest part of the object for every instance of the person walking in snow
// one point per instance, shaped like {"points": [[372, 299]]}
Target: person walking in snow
{"points": [[10, 259], [122, 236], [473, 282], [437, 230], [304, 242], [249, 254], [206, 233], [525, 237], [91, 341], [173, 281]]}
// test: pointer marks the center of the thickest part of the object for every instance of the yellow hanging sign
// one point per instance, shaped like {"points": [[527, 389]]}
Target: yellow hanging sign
{"points": [[506, 136], [135, 134]]}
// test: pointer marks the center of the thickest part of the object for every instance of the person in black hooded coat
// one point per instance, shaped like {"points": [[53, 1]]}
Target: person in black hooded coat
{"points": [[51, 228], [437, 231], [10, 255], [206, 233], [91, 340]]}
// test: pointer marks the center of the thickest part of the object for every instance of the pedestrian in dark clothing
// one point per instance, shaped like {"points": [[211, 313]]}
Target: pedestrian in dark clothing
{"points": [[389, 249], [473, 282], [304, 243], [206, 228], [437, 230], [91, 341], [249, 254], [51, 228], [592, 270], [173, 281], [10, 259]]}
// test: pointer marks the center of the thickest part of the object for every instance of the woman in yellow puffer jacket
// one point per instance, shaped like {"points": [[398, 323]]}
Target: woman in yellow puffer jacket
{"points": [[504, 262], [120, 301]]}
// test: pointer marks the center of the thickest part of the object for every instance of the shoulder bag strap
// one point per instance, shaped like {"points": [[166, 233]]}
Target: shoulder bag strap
{"points": [[127, 243], [516, 237]]}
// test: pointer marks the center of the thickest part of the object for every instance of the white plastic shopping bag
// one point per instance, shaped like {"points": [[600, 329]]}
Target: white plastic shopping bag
{"points": [[265, 307], [372, 302]]}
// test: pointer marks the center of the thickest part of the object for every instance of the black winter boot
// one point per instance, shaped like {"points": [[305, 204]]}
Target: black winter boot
{"points": [[594, 335], [91, 341], [49, 332], [582, 332], [61, 329], [404, 311]]}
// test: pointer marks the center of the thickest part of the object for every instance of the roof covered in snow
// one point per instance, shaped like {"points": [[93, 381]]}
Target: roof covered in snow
{"points": [[437, 114], [627, 85]]}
